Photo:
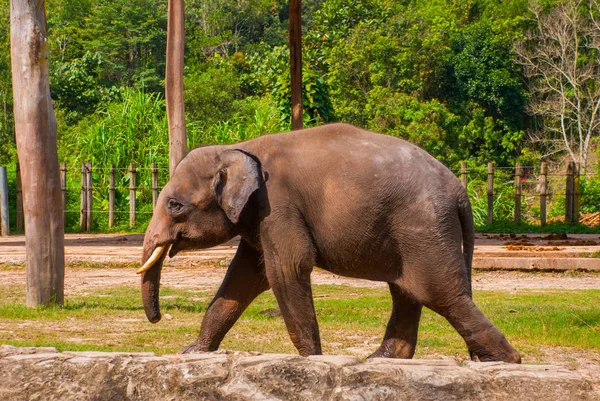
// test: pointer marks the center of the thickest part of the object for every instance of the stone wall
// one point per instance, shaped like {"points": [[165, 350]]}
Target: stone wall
{"points": [[45, 374]]}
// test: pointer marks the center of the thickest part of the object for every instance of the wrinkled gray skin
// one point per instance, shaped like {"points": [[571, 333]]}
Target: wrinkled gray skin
{"points": [[352, 202]]}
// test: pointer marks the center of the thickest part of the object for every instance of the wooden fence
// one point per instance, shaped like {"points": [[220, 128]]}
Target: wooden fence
{"points": [[86, 209]]}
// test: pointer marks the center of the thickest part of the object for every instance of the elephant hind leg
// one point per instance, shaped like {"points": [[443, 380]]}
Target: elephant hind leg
{"points": [[400, 338], [483, 338]]}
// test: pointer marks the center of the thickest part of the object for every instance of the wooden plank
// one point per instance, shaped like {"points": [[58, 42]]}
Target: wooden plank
{"points": [[295, 43], [35, 127]]}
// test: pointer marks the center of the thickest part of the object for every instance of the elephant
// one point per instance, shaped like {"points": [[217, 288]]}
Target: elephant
{"points": [[346, 200]]}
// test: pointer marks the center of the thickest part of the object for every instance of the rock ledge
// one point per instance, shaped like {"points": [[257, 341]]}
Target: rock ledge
{"points": [[45, 374]]}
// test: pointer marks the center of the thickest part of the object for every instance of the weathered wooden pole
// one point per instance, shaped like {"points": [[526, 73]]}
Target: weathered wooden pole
{"points": [[35, 127], [20, 218], [63, 188], [111, 196], [295, 41], [154, 185], [463, 173], [543, 192], [132, 189], [569, 193], [88, 196], [490, 193], [518, 186], [83, 207], [4, 218], [576, 192], [174, 83]]}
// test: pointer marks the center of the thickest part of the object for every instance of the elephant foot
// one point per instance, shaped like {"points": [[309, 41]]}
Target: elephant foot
{"points": [[394, 349], [194, 348]]}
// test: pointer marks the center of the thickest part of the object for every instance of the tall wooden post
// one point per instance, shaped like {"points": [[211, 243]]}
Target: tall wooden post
{"points": [[83, 206], [88, 195], [518, 186], [132, 188], [111, 196], [569, 218], [296, 62], [4, 218], [174, 83], [543, 192], [576, 192], [154, 185], [20, 218], [63, 188], [35, 127], [490, 193], [463, 173]]}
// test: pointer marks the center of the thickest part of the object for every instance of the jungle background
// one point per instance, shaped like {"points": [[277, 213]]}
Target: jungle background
{"points": [[467, 80]]}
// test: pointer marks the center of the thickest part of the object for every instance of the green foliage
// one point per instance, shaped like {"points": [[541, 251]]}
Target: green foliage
{"points": [[132, 129]]}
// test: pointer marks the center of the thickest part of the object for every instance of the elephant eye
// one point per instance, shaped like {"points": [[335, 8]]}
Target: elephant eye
{"points": [[175, 206]]}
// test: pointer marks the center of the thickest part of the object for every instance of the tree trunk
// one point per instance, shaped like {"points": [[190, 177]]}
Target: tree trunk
{"points": [[174, 83], [296, 62], [35, 127]]}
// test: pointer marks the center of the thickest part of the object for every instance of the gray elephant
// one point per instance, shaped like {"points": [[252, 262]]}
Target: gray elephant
{"points": [[349, 201]]}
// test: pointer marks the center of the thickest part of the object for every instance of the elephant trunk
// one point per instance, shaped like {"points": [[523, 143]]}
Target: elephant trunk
{"points": [[151, 279]]}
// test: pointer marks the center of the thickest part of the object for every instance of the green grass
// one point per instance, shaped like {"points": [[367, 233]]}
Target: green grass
{"points": [[352, 321]]}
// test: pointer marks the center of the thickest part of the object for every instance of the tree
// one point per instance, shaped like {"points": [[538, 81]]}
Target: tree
{"points": [[296, 62], [561, 58], [35, 126]]}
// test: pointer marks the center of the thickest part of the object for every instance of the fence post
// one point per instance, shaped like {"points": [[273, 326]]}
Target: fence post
{"points": [[63, 188], [111, 197], [518, 175], [463, 173], [88, 226], [154, 185], [83, 209], [20, 217], [569, 194], [543, 192], [576, 192], [490, 193], [132, 189], [4, 222]]}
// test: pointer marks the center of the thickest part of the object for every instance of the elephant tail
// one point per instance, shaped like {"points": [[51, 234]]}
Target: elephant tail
{"points": [[465, 215]]}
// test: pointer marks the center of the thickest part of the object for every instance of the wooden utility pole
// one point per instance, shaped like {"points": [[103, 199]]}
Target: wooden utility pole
{"points": [[174, 83], [296, 62], [35, 127]]}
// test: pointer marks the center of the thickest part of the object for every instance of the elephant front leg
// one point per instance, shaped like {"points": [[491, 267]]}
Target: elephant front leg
{"points": [[244, 281], [288, 271], [400, 338]]}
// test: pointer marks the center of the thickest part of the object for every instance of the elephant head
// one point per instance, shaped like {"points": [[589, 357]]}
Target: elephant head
{"points": [[199, 207]]}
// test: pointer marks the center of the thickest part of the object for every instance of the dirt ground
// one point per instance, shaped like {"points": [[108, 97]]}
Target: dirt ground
{"points": [[99, 261]]}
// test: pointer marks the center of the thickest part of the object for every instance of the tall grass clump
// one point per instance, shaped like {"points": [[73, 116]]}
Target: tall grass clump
{"points": [[132, 129]]}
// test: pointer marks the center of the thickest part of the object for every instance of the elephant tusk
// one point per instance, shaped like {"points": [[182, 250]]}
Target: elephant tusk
{"points": [[158, 252]]}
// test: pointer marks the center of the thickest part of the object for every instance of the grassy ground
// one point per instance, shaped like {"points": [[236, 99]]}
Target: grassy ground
{"points": [[352, 321]]}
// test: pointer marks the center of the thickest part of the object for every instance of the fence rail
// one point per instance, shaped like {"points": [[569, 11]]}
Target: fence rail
{"points": [[520, 176]]}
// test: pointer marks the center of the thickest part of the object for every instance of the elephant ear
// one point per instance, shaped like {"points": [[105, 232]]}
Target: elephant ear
{"points": [[239, 175]]}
